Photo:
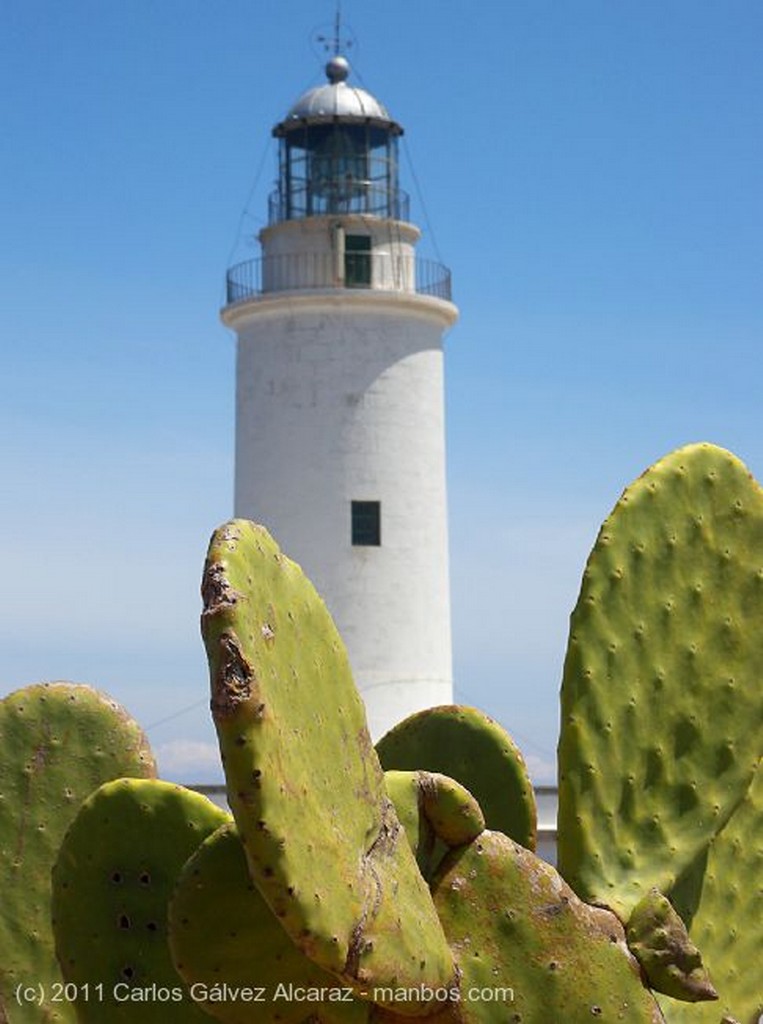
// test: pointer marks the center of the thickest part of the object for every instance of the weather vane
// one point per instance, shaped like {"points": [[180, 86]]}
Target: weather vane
{"points": [[333, 42]]}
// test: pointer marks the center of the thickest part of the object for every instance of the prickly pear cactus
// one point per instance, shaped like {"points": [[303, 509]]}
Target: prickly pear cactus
{"points": [[661, 707], [58, 742], [436, 812], [226, 941], [721, 899], [468, 746], [112, 881], [528, 949], [323, 842]]}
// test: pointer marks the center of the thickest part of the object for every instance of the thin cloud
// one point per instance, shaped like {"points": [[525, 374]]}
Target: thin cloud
{"points": [[542, 772], [188, 760]]}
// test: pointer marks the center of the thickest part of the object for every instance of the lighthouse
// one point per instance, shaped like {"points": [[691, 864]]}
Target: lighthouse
{"points": [[340, 432]]}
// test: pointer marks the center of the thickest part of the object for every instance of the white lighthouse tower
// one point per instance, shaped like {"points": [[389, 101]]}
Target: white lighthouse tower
{"points": [[340, 435]]}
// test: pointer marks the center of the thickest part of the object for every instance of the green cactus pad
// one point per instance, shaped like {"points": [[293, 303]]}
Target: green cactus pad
{"points": [[403, 790], [455, 815], [112, 881], [58, 742], [661, 708], [468, 746], [722, 901], [528, 949], [658, 939], [436, 812], [323, 842], [225, 941]]}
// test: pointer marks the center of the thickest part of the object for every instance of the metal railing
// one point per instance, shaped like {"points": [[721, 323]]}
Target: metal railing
{"points": [[299, 271]]}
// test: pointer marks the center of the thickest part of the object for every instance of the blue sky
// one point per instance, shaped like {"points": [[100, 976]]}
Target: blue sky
{"points": [[590, 172]]}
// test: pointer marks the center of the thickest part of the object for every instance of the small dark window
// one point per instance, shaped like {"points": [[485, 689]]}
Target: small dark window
{"points": [[366, 523], [357, 261]]}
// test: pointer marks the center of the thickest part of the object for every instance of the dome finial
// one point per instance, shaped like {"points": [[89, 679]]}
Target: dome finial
{"points": [[337, 69]]}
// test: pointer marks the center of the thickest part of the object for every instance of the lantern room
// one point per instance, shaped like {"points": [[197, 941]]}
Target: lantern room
{"points": [[338, 154]]}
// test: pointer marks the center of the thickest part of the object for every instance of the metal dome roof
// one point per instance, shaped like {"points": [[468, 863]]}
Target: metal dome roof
{"points": [[337, 99]]}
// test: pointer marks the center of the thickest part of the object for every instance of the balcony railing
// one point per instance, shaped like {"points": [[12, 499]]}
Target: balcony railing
{"points": [[300, 271]]}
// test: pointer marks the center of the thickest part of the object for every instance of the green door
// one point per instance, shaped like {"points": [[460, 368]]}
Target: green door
{"points": [[357, 261]]}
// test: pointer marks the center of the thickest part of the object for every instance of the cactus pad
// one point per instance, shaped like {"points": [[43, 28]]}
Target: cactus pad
{"points": [[58, 742], [468, 746], [111, 885], [403, 790], [658, 939], [661, 708], [436, 812], [223, 933], [323, 842], [528, 949]]}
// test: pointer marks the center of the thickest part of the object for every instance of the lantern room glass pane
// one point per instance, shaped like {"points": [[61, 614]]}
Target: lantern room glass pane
{"points": [[338, 168]]}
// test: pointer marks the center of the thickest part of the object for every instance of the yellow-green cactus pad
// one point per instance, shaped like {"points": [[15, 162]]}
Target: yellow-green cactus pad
{"points": [[528, 950], [403, 790], [467, 745], [323, 842], [436, 812], [58, 742], [234, 955], [662, 714], [513, 923], [112, 883]]}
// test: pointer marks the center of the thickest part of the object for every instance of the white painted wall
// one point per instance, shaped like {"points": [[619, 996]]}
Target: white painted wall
{"points": [[340, 398], [306, 254]]}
